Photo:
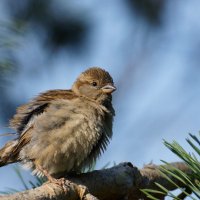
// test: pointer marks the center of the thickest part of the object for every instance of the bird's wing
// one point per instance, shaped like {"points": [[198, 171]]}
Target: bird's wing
{"points": [[23, 120], [26, 113]]}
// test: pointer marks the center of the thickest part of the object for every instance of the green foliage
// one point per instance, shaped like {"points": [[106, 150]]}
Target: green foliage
{"points": [[9, 36], [190, 181]]}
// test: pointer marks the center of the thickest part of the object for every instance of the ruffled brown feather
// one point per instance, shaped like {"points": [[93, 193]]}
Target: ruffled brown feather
{"points": [[59, 135], [37, 106]]}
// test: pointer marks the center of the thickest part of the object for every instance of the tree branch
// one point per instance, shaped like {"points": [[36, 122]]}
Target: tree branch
{"points": [[123, 181]]}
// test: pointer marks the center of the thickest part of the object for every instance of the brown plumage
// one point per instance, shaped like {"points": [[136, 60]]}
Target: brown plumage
{"points": [[63, 131]]}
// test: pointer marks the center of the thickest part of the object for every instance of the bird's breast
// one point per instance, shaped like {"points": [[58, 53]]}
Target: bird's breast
{"points": [[67, 134]]}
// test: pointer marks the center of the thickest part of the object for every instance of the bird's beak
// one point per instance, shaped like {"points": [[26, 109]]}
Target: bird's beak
{"points": [[108, 89]]}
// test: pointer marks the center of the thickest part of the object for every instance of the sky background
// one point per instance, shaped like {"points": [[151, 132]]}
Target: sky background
{"points": [[152, 56]]}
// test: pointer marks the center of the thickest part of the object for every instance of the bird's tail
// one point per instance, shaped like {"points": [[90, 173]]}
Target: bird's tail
{"points": [[6, 156]]}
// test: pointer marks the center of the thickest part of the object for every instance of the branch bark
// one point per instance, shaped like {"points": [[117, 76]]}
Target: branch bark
{"points": [[123, 181]]}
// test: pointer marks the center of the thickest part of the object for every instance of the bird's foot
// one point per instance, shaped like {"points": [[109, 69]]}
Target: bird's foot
{"points": [[62, 182]]}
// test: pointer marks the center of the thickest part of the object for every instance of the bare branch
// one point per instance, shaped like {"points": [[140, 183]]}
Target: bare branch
{"points": [[123, 181]]}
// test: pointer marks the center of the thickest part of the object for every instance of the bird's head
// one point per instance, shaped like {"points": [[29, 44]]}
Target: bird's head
{"points": [[94, 83]]}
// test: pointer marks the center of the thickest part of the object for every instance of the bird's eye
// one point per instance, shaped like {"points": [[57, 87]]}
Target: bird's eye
{"points": [[94, 83]]}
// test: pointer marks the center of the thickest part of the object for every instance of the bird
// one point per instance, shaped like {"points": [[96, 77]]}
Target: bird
{"points": [[63, 131]]}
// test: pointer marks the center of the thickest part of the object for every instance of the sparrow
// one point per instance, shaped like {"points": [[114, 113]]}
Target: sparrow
{"points": [[63, 131]]}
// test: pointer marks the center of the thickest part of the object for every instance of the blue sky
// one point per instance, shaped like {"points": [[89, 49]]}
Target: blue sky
{"points": [[156, 72]]}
